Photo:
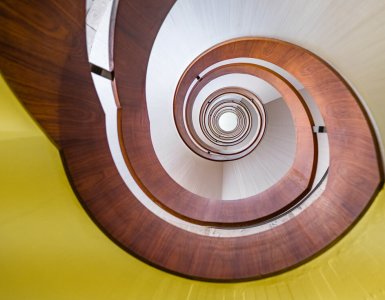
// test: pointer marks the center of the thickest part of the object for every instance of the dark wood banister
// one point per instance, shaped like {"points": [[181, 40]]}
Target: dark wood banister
{"points": [[44, 62]]}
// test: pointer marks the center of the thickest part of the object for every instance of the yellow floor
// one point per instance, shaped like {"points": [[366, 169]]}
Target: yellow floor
{"points": [[50, 249]]}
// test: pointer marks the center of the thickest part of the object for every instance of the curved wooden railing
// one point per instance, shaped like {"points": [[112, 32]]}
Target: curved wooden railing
{"points": [[44, 61], [160, 186]]}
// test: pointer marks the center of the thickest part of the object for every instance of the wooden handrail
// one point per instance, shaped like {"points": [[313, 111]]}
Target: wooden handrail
{"points": [[44, 62], [183, 203]]}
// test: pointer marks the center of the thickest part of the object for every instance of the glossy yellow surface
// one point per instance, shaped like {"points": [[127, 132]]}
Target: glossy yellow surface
{"points": [[50, 249]]}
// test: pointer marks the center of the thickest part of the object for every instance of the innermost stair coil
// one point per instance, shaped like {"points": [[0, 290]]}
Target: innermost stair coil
{"points": [[248, 129]]}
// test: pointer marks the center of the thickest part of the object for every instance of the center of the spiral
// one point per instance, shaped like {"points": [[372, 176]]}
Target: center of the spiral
{"points": [[228, 121]]}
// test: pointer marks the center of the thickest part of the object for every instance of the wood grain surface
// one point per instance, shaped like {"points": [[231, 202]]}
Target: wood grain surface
{"points": [[43, 58], [181, 202]]}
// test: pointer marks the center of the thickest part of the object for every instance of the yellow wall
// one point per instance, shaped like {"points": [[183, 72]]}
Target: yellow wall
{"points": [[50, 249]]}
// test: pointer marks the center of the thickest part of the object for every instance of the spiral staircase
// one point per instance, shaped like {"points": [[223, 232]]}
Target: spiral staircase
{"points": [[217, 141]]}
